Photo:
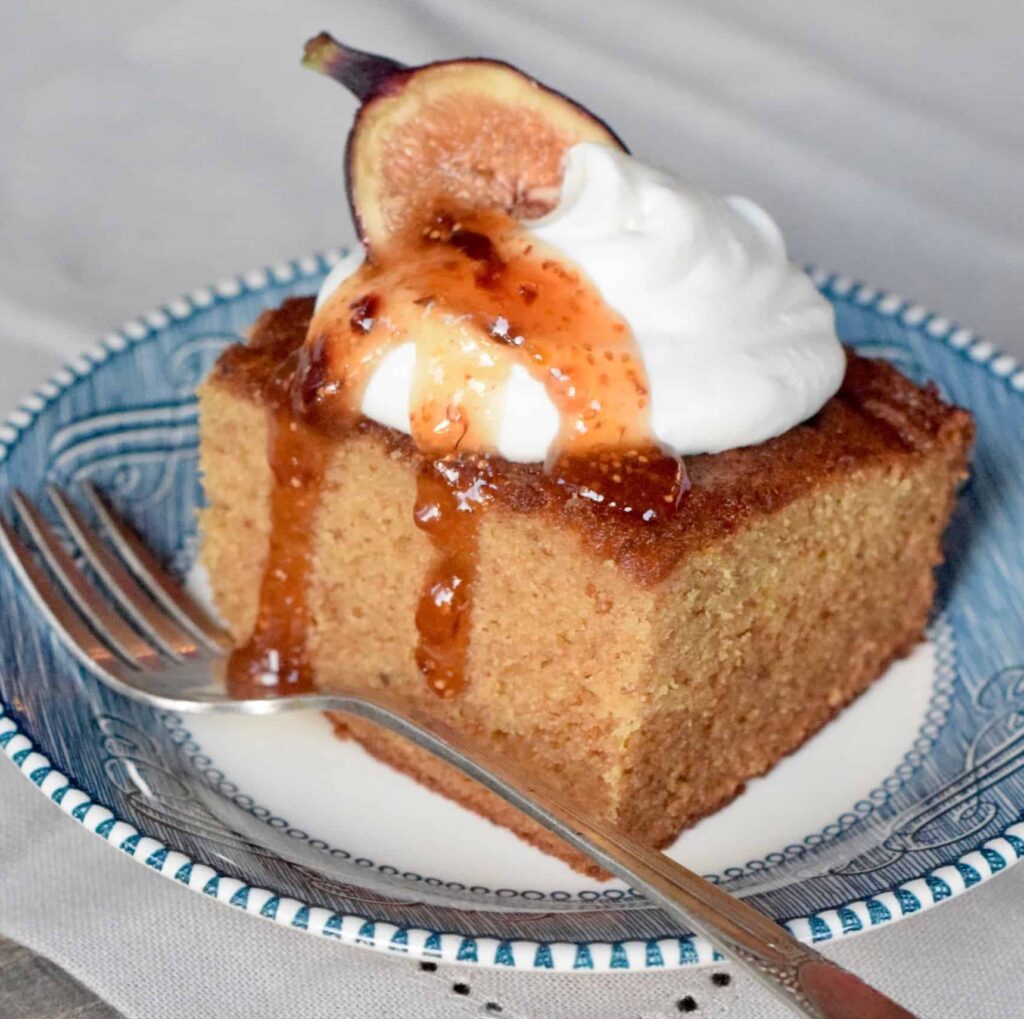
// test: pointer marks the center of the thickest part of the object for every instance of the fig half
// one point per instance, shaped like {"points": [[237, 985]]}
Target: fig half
{"points": [[464, 134]]}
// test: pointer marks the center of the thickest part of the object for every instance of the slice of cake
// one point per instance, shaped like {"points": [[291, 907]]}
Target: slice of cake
{"points": [[651, 672], [457, 475]]}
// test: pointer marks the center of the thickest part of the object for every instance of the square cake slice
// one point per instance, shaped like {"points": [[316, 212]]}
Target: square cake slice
{"points": [[651, 671]]}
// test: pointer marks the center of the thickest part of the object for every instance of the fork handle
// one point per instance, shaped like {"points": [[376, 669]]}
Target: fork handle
{"points": [[809, 983]]}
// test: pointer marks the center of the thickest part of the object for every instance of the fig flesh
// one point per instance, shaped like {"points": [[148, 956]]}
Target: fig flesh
{"points": [[460, 134]]}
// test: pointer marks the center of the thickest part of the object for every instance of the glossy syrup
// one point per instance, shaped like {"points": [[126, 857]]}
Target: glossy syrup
{"points": [[275, 659], [451, 495], [478, 296]]}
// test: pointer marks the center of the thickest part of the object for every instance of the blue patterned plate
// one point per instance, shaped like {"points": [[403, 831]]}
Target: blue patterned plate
{"points": [[911, 796]]}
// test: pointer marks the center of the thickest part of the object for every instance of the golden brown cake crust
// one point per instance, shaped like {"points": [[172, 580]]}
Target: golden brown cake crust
{"points": [[877, 418]]}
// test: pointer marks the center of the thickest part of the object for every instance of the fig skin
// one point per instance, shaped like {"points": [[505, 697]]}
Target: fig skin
{"points": [[470, 134]]}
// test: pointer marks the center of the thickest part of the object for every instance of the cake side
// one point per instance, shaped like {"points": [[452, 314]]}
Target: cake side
{"points": [[752, 653], [762, 640], [650, 672]]}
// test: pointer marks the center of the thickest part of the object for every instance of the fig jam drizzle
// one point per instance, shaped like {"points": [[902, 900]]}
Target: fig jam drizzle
{"points": [[275, 659], [450, 495], [478, 296]]}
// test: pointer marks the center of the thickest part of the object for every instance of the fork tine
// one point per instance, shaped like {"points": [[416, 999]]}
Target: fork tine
{"points": [[97, 613], [58, 612], [158, 627], [164, 589]]}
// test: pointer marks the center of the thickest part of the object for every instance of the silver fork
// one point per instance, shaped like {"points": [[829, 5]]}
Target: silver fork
{"points": [[159, 647]]}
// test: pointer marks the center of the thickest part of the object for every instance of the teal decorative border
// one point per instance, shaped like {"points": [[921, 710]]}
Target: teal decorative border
{"points": [[911, 897], [914, 896]]}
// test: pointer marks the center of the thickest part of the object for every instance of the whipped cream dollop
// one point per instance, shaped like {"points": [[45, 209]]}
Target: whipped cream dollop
{"points": [[737, 343]]}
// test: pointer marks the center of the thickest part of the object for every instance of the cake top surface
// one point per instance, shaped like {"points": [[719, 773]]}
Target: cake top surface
{"points": [[879, 417]]}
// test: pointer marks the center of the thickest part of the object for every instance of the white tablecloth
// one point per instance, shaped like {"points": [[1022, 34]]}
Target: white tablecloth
{"points": [[149, 148]]}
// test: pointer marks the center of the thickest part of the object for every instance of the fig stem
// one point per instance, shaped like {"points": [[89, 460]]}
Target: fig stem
{"points": [[363, 74]]}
